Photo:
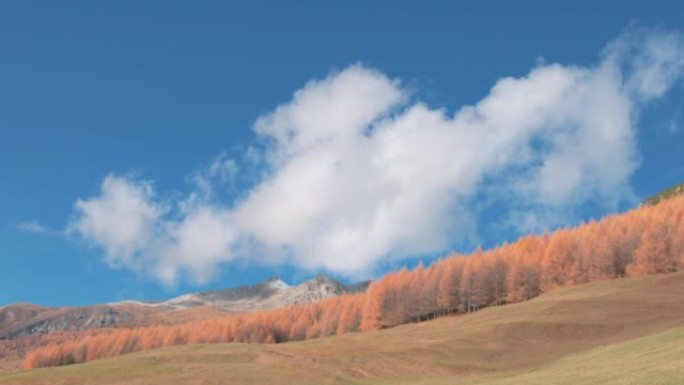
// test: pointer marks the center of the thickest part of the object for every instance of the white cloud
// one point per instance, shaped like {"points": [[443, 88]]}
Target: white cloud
{"points": [[356, 175], [652, 60], [194, 245], [123, 219], [32, 227], [221, 173]]}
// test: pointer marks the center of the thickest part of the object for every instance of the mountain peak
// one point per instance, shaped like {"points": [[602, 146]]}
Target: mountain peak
{"points": [[323, 278], [276, 283]]}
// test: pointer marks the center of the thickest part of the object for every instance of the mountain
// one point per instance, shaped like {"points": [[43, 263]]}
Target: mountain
{"points": [[24, 326], [271, 294], [20, 320], [666, 194], [622, 331]]}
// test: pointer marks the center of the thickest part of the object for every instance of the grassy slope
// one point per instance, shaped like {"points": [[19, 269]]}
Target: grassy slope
{"points": [[654, 359], [587, 334], [666, 194]]}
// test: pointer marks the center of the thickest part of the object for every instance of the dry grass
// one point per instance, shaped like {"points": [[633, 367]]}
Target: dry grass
{"points": [[589, 334], [655, 360]]}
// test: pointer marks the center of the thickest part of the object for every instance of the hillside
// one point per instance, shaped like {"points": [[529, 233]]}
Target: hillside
{"points": [[663, 195], [24, 327], [596, 333], [23, 319]]}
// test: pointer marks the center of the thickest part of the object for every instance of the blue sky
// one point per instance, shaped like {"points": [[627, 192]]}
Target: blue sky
{"points": [[162, 120]]}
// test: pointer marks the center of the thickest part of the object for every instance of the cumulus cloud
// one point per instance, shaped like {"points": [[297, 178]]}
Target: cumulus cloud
{"points": [[220, 173], [356, 173], [123, 220]]}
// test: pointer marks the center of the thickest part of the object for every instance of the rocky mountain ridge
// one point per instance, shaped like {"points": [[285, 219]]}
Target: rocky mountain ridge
{"points": [[270, 294], [21, 320], [24, 319]]}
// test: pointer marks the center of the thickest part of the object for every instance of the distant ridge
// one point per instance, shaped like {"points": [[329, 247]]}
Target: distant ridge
{"points": [[23, 319], [272, 293]]}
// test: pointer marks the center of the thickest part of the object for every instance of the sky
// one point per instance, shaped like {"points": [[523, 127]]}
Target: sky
{"points": [[151, 148]]}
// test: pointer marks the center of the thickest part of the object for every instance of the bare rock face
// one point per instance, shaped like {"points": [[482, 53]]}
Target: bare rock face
{"points": [[317, 289], [21, 320], [271, 294]]}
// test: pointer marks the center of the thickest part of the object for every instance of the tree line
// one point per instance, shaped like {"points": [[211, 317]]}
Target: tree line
{"points": [[646, 240]]}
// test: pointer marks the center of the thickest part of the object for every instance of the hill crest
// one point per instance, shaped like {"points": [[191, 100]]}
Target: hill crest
{"points": [[663, 195]]}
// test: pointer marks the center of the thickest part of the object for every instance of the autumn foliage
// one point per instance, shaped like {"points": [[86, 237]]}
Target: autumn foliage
{"points": [[647, 240]]}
